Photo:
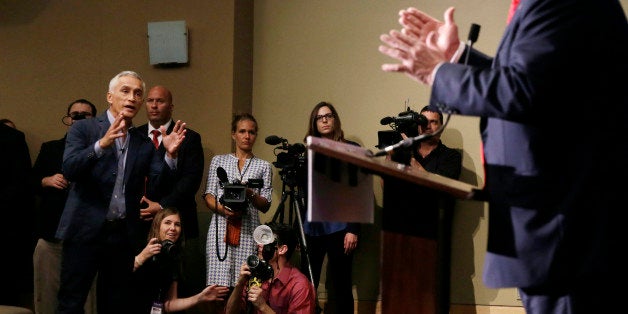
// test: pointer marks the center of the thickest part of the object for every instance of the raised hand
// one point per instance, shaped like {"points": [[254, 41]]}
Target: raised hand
{"points": [[173, 141], [438, 35], [116, 129], [421, 45]]}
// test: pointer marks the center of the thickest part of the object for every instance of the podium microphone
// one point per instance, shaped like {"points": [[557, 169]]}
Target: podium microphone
{"points": [[474, 32], [408, 142]]}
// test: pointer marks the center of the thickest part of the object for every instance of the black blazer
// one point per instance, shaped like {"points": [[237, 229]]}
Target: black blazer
{"points": [[187, 179], [51, 200]]}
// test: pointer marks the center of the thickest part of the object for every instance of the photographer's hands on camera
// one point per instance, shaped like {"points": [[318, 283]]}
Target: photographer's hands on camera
{"points": [[413, 162], [151, 249], [255, 291]]}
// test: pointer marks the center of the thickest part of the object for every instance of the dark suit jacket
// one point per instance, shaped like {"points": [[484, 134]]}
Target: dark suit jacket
{"points": [[52, 200], [187, 179], [93, 179], [16, 207], [547, 176]]}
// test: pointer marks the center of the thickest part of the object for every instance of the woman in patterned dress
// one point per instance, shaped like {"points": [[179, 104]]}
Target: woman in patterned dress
{"points": [[230, 235]]}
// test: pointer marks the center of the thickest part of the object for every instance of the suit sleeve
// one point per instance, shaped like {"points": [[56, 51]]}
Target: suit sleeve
{"points": [[189, 172]]}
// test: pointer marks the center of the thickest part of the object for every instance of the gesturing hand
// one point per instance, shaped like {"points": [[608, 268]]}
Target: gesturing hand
{"points": [[438, 35], [421, 45], [116, 129], [173, 141]]}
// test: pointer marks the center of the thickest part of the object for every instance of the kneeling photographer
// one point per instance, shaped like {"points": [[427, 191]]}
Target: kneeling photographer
{"points": [[157, 269], [282, 288]]}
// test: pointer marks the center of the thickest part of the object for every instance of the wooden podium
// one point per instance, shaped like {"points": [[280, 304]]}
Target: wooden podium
{"points": [[410, 250]]}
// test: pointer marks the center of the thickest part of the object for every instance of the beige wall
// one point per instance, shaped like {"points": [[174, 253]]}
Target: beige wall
{"points": [[52, 52]]}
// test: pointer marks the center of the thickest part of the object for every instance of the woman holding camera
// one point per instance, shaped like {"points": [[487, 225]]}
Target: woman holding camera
{"points": [[158, 269], [230, 235]]}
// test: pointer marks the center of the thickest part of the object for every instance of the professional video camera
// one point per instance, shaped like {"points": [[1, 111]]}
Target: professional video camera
{"points": [[291, 160], [260, 270], [407, 122], [234, 196]]}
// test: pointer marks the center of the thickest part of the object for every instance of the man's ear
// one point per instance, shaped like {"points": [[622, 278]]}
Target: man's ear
{"points": [[282, 250]]}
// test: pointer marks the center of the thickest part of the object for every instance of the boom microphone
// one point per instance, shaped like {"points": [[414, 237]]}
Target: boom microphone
{"points": [[274, 140], [222, 176]]}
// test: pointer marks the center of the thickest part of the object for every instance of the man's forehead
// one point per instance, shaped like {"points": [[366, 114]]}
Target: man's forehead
{"points": [[129, 82]]}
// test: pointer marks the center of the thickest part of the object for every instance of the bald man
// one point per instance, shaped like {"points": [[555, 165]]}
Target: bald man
{"points": [[190, 167]]}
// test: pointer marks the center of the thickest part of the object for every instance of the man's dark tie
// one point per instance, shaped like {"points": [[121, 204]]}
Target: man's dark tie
{"points": [[155, 138], [511, 11]]}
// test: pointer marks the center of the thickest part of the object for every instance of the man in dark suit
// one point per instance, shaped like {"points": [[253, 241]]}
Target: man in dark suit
{"points": [[111, 166], [552, 227], [190, 167], [52, 188], [16, 207]]}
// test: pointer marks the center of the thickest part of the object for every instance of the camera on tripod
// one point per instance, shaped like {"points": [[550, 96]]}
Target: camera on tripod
{"points": [[234, 194], [291, 160]]}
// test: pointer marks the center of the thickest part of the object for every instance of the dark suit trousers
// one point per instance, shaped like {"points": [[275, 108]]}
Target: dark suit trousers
{"points": [[109, 255]]}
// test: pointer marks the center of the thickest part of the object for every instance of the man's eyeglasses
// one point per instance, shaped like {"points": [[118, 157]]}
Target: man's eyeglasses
{"points": [[74, 116], [327, 116], [80, 115]]}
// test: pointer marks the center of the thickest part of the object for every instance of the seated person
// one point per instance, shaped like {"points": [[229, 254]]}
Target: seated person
{"points": [[287, 290], [158, 268]]}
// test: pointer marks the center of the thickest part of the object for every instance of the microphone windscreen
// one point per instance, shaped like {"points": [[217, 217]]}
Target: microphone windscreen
{"points": [[474, 32], [273, 140], [222, 175], [263, 235], [386, 120]]}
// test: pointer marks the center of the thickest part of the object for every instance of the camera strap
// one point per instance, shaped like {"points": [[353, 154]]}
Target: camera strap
{"points": [[247, 163]]}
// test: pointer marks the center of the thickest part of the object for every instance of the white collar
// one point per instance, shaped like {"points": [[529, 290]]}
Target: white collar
{"points": [[151, 128]]}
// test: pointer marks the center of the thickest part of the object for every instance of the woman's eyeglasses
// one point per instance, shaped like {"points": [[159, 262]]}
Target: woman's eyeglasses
{"points": [[327, 116]]}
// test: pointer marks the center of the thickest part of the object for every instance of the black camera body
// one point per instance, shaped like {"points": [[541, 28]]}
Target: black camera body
{"points": [[292, 156], [234, 195], [169, 248], [260, 270], [169, 251], [407, 122], [291, 161]]}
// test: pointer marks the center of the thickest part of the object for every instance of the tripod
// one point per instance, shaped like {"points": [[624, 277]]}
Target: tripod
{"points": [[292, 195]]}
